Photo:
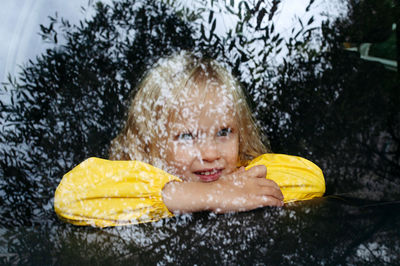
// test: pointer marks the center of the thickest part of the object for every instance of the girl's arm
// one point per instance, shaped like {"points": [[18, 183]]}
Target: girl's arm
{"points": [[294, 177], [108, 193], [102, 193], [298, 178], [239, 191]]}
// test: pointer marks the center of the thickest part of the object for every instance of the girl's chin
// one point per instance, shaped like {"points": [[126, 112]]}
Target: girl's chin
{"points": [[208, 178]]}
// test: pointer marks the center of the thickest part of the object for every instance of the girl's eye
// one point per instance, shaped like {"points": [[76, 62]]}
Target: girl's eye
{"points": [[224, 132], [185, 136]]}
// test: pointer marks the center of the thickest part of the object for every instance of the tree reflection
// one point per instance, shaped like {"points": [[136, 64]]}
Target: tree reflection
{"points": [[324, 231], [69, 104], [325, 104], [344, 116]]}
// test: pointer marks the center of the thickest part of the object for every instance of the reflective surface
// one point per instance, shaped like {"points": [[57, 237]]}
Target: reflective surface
{"points": [[330, 230], [333, 103]]}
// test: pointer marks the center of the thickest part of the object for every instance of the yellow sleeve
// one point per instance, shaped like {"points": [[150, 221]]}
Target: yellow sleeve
{"points": [[298, 178], [102, 193]]}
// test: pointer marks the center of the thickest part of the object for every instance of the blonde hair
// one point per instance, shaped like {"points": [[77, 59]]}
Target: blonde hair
{"points": [[144, 134]]}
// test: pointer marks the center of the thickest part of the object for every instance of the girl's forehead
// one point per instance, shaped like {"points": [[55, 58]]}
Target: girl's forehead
{"points": [[202, 98], [208, 113], [207, 91], [213, 102]]}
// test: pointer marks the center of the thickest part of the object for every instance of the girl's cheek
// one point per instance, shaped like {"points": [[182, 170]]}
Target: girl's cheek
{"points": [[230, 151], [182, 153]]}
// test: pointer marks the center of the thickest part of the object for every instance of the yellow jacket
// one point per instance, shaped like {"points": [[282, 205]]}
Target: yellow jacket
{"points": [[108, 193]]}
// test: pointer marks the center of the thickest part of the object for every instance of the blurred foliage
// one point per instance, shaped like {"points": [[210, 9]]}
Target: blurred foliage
{"points": [[340, 111], [367, 21], [69, 103], [320, 101]]}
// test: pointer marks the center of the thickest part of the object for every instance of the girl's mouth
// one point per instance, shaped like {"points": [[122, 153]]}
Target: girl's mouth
{"points": [[209, 175]]}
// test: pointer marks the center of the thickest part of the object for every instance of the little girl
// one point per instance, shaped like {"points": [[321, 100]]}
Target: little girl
{"points": [[189, 144]]}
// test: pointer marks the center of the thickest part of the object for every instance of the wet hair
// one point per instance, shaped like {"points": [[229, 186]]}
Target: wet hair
{"points": [[158, 98]]}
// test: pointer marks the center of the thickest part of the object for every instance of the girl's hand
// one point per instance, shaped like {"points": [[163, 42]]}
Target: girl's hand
{"points": [[240, 191], [246, 190]]}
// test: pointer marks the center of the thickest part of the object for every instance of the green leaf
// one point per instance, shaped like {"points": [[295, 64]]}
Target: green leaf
{"points": [[279, 41], [311, 20], [246, 6], [275, 37], [260, 17], [203, 35], [210, 17], [230, 10], [301, 22], [309, 5], [231, 45], [213, 26]]}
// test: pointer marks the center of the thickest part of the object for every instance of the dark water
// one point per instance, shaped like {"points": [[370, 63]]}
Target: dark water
{"points": [[336, 106]]}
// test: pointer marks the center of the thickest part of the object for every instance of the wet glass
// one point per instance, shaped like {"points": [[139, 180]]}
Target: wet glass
{"points": [[326, 88]]}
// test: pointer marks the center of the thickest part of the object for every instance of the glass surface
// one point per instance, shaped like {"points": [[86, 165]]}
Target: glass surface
{"points": [[324, 87]]}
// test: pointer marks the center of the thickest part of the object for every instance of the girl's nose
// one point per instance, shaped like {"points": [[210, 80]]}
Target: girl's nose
{"points": [[209, 151]]}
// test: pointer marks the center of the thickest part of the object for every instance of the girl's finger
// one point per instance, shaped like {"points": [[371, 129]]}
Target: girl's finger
{"points": [[271, 191], [267, 183], [259, 171], [271, 201]]}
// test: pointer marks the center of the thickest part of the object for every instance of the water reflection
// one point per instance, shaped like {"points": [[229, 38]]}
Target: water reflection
{"points": [[333, 107]]}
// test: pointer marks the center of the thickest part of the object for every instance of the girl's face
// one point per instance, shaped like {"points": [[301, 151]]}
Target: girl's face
{"points": [[203, 140]]}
